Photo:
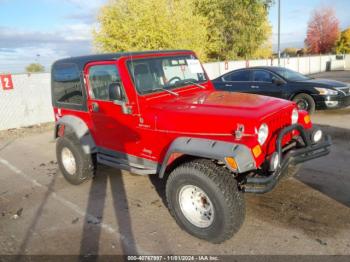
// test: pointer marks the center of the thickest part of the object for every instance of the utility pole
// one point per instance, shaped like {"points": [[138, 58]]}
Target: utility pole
{"points": [[279, 32]]}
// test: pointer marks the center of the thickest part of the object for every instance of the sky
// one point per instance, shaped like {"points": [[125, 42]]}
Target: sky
{"points": [[295, 15], [46, 30]]}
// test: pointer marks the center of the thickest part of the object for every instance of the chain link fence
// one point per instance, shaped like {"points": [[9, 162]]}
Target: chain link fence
{"points": [[27, 103]]}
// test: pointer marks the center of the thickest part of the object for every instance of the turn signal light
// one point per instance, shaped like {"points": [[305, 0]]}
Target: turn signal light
{"points": [[257, 151], [231, 162], [307, 119]]}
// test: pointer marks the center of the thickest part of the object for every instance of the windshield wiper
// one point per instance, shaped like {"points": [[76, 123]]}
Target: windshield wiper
{"points": [[169, 91], [193, 83]]}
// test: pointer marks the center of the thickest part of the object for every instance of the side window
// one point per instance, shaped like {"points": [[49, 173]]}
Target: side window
{"points": [[104, 80], [67, 87], [262, 76], [242, 75]]}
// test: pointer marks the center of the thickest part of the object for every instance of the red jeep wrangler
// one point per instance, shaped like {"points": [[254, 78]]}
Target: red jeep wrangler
{"points": [[158, 113]]}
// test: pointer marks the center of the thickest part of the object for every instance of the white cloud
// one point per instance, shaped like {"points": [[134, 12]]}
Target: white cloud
{"points": [[20, 46]]}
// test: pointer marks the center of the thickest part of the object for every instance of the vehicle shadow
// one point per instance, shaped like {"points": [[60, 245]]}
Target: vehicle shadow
{"points": [[90, 240], [317, 200], [113, 178], [159, 186], [330, 175]]}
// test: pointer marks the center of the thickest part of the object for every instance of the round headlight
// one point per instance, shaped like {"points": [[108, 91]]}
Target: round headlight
{"points": [[295, 116], [263, 133]]}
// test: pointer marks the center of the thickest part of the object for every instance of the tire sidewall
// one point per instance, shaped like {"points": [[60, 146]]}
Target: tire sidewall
{"points": [[309, 99]]}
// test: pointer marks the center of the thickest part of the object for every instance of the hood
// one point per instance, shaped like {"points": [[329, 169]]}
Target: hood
{"points": [[215, 111], [325, 83]]}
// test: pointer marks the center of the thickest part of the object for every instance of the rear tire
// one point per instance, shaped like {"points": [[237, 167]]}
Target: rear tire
{"points": [[305, 102], [202, 186], [75, 165]]}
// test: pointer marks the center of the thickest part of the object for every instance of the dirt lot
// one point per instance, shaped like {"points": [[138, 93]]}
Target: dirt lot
{"points": [[121, 213]]}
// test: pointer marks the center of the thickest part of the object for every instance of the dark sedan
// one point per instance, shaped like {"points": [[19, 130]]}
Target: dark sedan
{"points": [[310, 94]]}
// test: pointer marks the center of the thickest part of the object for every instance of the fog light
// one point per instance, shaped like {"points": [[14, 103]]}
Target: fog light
{"points": [[332, 103], [316, 135], [274, 161]]}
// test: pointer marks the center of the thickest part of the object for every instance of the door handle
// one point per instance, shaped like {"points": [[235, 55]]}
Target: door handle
{"points": [[228, 85], [94, 107], [254, 86]]}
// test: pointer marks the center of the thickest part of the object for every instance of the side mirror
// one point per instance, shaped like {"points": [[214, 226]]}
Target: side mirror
{"points": [[116, 95], [278, 81], [115, 92]]}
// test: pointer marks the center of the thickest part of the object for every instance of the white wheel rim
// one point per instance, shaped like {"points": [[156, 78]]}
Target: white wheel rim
{"points": [[196, 206], [68, 161]]}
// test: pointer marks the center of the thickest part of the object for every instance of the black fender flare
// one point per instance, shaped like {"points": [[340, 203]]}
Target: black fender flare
{"points": [[81, 131], [212, 149]]}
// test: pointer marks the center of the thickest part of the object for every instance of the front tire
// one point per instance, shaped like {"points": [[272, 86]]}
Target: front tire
{"points": [[305, 102], [75, 165], [205, 201]]}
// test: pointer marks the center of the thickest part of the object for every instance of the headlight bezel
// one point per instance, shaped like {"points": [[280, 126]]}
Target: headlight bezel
{"points": [[263, 133], [326, 91]]}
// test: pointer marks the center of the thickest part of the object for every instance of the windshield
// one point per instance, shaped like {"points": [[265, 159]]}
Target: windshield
{"points": [[291, 75], [154, 74]]}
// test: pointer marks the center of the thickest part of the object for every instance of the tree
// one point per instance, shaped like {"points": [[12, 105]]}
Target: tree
{"points": [[35, 68], [322, 32], [343, 45], [127, 25], [236, 28], [265, 49]]}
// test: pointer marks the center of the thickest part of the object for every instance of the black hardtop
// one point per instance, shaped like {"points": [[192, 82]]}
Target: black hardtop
{"points": [[81, 61]]}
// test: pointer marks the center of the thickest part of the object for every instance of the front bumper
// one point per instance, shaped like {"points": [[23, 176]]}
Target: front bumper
{"points": [[309, 151], [332, 102]]}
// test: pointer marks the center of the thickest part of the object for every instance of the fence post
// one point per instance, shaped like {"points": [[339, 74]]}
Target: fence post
{"points": [[298, 64], [309, 65]]}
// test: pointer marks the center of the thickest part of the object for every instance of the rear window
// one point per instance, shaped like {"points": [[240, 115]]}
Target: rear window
{"points": [[66, 83]]}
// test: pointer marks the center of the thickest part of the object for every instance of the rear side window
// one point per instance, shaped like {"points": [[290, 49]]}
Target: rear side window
{"points": [[67, 87], [238, 76]]}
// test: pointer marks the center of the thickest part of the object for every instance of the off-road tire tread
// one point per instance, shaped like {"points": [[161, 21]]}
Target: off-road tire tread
{"points": [[226, 184]]}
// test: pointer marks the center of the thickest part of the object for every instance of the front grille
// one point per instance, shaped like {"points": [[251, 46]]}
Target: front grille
{"points": [[276, 123], [345, 90], [279, 121]]}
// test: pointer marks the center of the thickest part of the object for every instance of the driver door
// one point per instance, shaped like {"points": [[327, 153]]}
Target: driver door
{"points": [[263, 84], [111, 124]]}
